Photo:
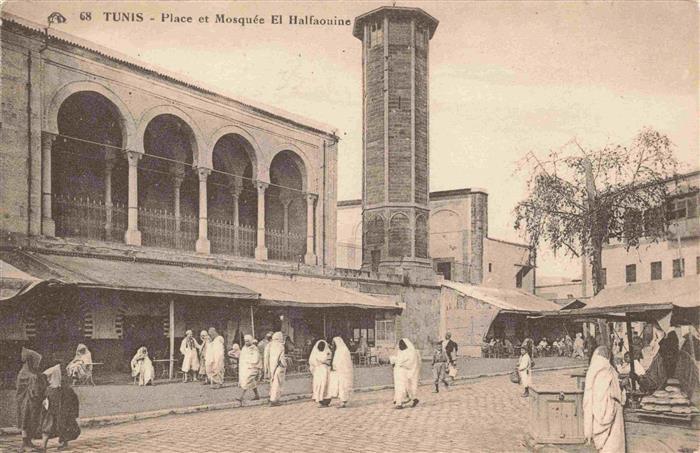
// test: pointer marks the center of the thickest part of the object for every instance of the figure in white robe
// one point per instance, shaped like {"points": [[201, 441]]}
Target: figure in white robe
{"points": [[216, 359], [525, 367], [320, 367], [277, 364], [80, 368], [189, 348], [142, 367], [249, 367], [406, 374], [202, 353], [340, 385], [579, 346], [603, 421], [264, 348]]}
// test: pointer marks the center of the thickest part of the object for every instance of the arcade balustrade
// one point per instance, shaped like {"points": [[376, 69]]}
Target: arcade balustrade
{"points": [[88, 218]]}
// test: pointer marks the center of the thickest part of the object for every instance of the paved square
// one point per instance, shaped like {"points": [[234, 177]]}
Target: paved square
{"points": [[484, 415]]}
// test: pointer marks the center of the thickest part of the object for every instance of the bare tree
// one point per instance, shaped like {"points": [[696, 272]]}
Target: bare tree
{"points": [[579, 198]]}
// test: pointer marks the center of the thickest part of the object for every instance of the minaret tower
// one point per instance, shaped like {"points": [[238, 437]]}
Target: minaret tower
{"points": [[395, 209]]}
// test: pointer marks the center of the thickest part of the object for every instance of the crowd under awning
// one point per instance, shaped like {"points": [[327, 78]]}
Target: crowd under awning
{"points": [[276, 290], [115, 274]]}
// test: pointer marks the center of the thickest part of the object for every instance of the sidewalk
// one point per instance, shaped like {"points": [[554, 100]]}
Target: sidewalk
{"points": [[121, 402]]}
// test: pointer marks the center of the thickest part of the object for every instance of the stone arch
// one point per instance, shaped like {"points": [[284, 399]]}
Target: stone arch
{"points": [[358, 228], [254, 156], [311, 176], [200, 153], [399, 235], [299, 162], [127, 119], [447, 211], [373, 231], [447, 229], [421, 237]]}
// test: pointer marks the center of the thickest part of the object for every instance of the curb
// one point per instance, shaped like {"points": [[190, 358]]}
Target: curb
{"points": [[108, 420]]}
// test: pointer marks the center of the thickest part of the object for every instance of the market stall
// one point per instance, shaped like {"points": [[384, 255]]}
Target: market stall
{"points": [[664, 399]]}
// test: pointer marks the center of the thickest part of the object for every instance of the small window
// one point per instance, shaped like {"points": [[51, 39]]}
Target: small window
{"points": [[678, 267], [697, 265], [376, 258], [604, 276], [656, 270], [386, 331], [631, 273], [445, 268], [519, 279], [692, 206], [375, 34], [490, 267]]}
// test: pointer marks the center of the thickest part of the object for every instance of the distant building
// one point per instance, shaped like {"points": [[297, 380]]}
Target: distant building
{"points": [[560, 290], [460, 248], [675, 256]]}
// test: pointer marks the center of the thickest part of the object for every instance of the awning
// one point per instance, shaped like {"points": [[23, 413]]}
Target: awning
{"points": [[128, 275], [508, 300], [286, 291], [680, 292], [641, 301], [14, 282]]}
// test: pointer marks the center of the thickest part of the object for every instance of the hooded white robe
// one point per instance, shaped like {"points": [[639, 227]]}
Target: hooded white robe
{"points": [[277, 364], [215, 360], [602, 405], [578, 347], [142, 366], [320, 367], [525, 370], [81, 366], [340, 385], [249, 367], [406, 373]]}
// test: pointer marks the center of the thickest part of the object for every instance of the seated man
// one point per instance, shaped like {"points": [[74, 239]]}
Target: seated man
{"points": [[142, 367], [80, 368]]}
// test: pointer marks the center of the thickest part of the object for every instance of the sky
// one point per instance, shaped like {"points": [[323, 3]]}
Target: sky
{"points": [[506, 78]]}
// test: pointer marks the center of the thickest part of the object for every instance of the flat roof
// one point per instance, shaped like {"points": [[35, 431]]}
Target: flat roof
{"points": [[396, 11]]}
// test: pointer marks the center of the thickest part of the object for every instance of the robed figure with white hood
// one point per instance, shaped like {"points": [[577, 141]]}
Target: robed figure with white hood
{"points": [[603, 422], [406, 374], [340, 384], [320, 367]]}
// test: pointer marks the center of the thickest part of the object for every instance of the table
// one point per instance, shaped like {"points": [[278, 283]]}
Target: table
{"points": [[164, 370], [580, 376]]}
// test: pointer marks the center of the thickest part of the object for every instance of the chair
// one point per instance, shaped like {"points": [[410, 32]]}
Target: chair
{"points": [[363, 359], [372, 357], [87, 378]]}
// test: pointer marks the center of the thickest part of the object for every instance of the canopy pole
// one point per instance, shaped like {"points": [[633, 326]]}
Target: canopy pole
{"points": [[628, 321], [171, 334], [252, 321], [324, 324]]}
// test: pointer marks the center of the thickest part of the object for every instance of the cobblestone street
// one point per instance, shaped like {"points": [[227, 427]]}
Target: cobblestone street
{"points": [[483, 415]]}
